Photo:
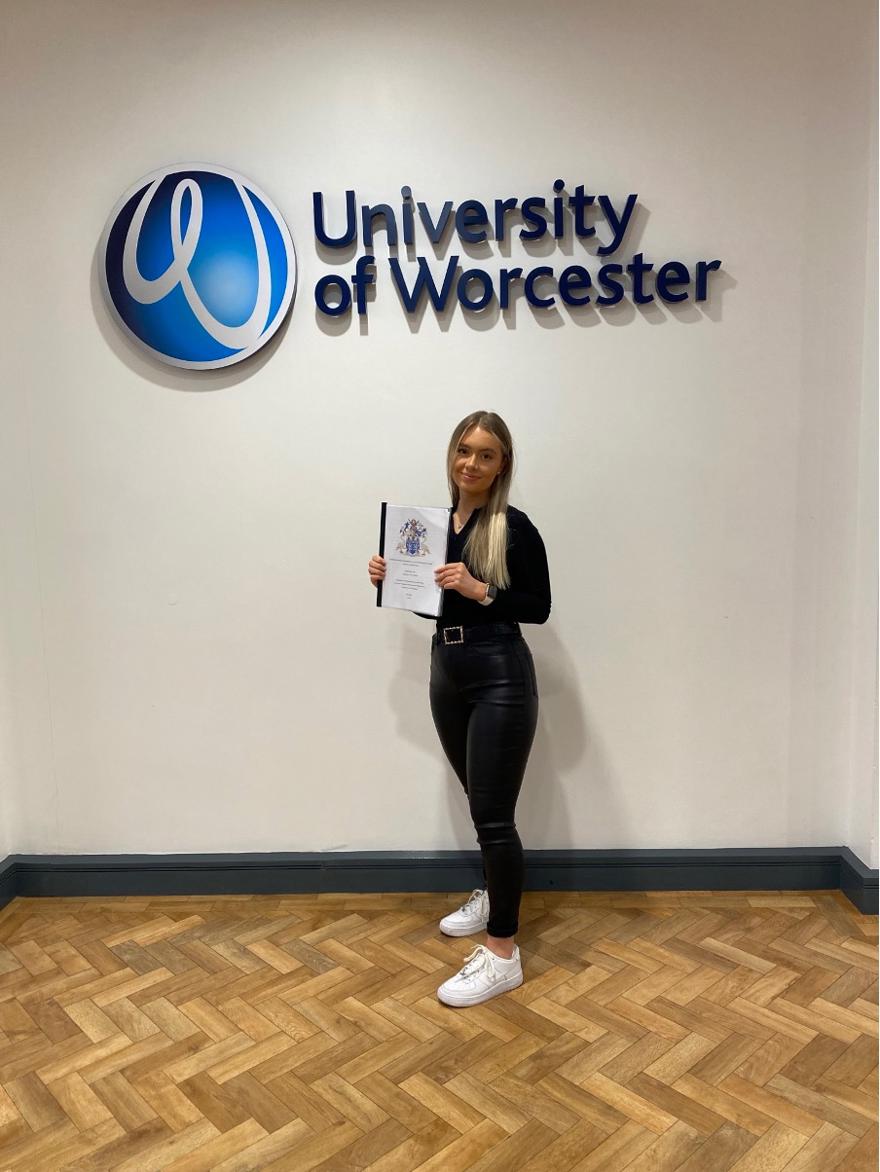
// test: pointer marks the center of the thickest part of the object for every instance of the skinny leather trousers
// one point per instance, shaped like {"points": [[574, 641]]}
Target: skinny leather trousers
{"points": [[484, 701]]}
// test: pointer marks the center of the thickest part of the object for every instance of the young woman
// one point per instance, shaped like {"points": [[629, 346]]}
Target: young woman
{"points": [[483, 690]]}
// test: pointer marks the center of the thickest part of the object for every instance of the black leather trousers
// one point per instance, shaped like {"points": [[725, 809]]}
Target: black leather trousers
{"points": [[484, 701]]}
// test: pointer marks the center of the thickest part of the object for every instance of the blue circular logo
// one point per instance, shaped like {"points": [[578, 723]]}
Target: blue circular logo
{"points": [[198, 266]]}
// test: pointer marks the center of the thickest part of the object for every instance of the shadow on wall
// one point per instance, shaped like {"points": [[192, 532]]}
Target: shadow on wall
{"points": [[563, 745]]}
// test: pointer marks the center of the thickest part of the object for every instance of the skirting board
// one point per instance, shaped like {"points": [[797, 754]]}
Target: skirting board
{"points": [[733, 869]]}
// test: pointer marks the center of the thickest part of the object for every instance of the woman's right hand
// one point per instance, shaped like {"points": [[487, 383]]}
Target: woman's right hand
{"points": [[377, 569]]}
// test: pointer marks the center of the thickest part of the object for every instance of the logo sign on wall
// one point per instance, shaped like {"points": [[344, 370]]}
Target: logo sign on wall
{"points": [[598, 222], [198, 266]]}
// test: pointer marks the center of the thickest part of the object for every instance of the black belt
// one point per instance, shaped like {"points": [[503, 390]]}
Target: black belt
{"points": [[476, 634]]}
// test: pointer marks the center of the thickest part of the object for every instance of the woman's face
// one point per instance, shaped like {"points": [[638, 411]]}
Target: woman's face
{"points": [[477, 461]]}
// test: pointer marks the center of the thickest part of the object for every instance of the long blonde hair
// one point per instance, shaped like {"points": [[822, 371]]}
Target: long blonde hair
{"points": [[485, 550]]}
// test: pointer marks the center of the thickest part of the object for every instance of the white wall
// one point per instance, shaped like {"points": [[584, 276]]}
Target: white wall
{"points": [[192, 654], [863, 790]]}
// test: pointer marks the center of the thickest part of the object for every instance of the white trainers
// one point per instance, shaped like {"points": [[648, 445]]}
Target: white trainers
{"points": [[471, 917], [482, 976]]}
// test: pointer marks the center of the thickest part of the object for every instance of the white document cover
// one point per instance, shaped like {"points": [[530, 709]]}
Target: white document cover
{"points": [[413, 541]]}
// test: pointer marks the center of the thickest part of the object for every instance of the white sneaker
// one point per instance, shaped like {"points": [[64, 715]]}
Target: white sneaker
{"points": [[471, 917], [482, 976]]}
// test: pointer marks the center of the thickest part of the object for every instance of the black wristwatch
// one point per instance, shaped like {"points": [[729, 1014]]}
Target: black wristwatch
{"points": [[490, 596]]}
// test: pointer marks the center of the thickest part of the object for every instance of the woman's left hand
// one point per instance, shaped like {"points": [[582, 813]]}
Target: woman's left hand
{"points": [[456, 576]]}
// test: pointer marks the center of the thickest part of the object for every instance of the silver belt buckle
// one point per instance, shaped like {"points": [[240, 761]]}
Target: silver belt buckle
{"points": [[460, 638]]}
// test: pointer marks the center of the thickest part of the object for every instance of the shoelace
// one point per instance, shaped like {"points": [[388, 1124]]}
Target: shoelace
{"points": [[473, 898], [475, 961]]}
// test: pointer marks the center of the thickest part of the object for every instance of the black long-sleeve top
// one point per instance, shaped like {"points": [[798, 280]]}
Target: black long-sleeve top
{"points": [[526, 600]]}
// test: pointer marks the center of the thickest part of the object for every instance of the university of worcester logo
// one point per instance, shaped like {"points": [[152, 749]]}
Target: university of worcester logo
{"points": [[198, 266]]}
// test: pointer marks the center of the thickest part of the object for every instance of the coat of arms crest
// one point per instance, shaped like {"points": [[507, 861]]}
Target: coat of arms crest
{"points": [[412, 539]]}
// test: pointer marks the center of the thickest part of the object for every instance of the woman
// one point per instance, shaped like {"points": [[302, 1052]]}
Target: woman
{"points": [[483, 690]]}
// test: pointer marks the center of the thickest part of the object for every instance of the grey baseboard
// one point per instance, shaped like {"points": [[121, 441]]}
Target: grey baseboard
{"points": [[8, 889], [858, 882], [738, 868]]}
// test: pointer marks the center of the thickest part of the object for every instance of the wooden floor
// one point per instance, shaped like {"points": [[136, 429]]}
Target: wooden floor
{"points": [[692, 1031]]}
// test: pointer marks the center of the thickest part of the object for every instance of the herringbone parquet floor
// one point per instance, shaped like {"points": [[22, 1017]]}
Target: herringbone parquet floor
{"points": [[693, 1031]]}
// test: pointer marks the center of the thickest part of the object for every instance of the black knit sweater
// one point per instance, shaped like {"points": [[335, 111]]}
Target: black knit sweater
{"points": [[526, 600]]}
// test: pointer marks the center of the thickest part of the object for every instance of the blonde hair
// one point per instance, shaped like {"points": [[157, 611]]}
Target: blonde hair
{"points": [[485, 550]]}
